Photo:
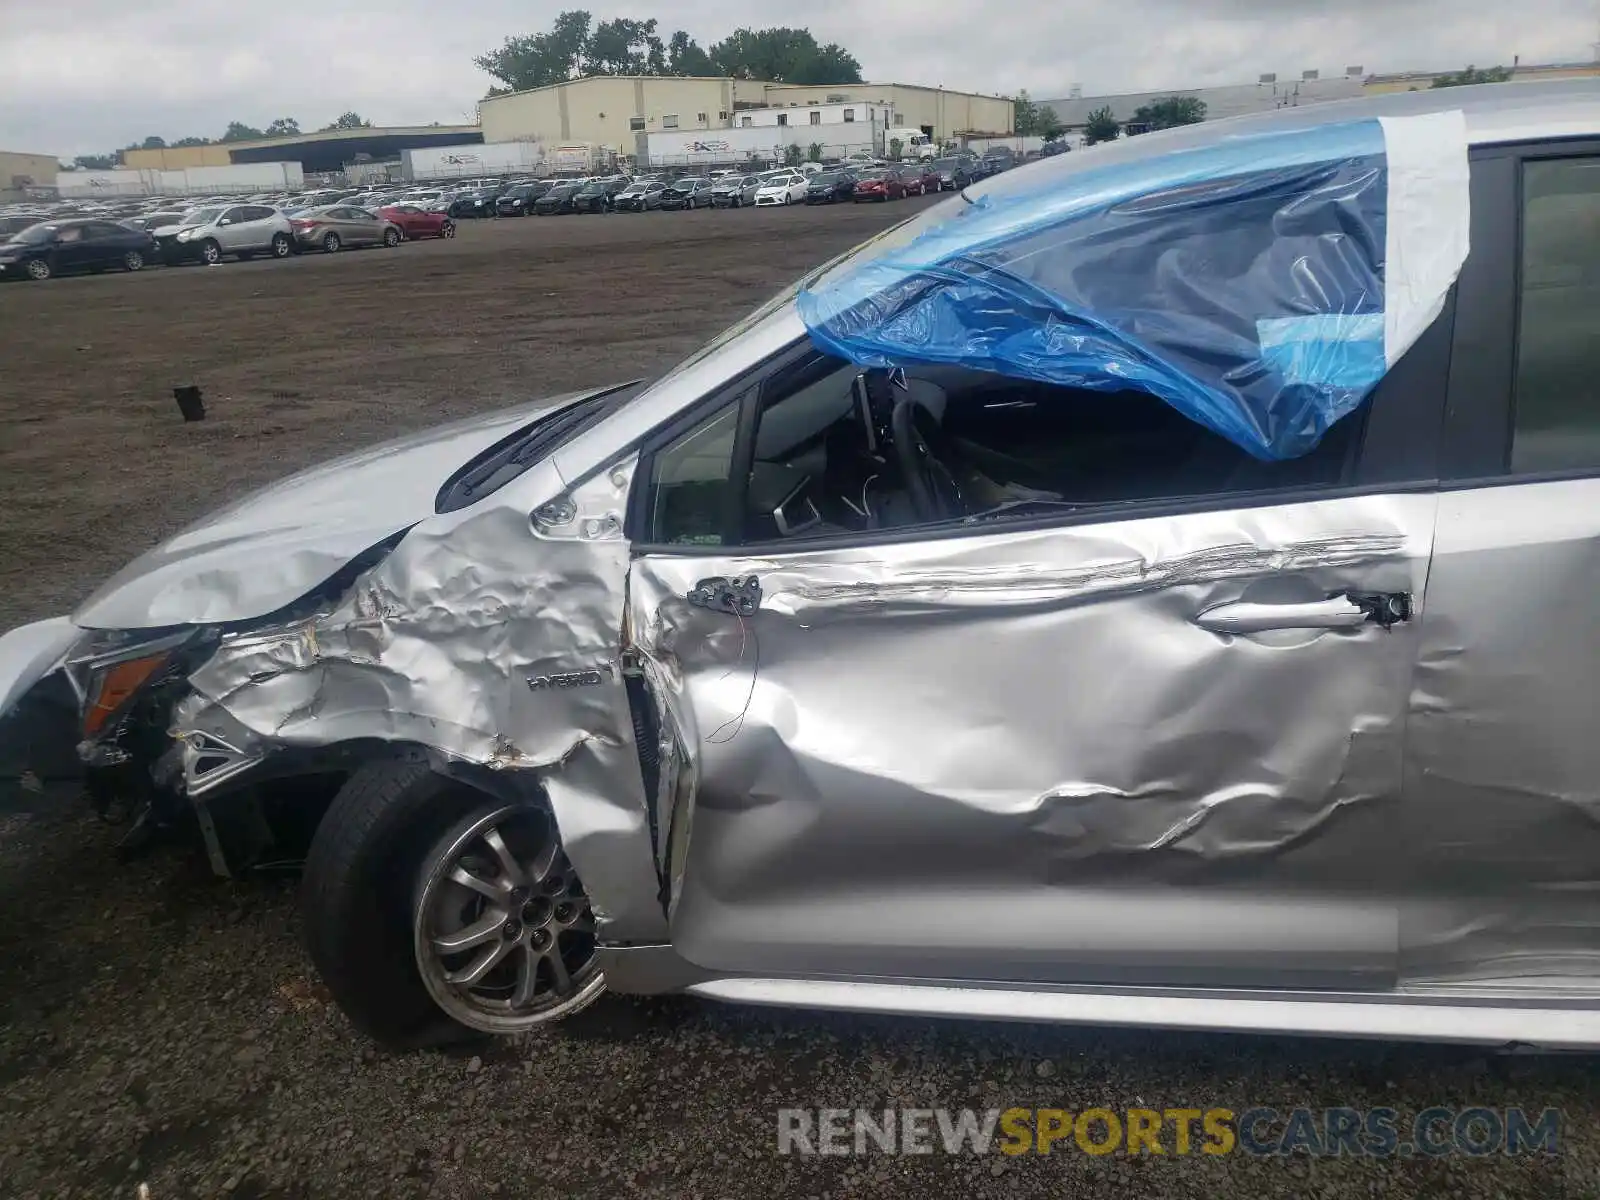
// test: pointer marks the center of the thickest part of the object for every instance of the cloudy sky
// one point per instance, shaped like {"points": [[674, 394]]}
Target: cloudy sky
{"points": [[84, 76]]}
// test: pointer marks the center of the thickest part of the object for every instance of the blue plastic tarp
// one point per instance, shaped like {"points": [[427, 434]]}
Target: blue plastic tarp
{"points": [[1262, 285]]}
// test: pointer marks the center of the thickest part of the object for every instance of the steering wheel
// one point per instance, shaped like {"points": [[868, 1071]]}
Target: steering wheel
{"points": [[921, 450]]}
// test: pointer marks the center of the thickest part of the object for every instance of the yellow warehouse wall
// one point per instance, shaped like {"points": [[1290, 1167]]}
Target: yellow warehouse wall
{"points": [[176, 158], [27, 170], [601, 109]]}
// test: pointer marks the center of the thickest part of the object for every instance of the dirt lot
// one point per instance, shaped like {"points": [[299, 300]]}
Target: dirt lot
{"points": [[160, 1028], [304, 359]]}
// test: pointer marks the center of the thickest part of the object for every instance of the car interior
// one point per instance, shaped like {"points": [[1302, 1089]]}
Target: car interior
{"points": [[841, 450]]}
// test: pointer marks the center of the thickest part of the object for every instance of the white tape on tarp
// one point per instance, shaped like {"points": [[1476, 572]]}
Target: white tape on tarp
{"points": [[1429, 214]]}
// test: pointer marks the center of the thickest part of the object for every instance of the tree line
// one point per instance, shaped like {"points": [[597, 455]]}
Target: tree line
{"points": [[575, 47], [237, 131]]}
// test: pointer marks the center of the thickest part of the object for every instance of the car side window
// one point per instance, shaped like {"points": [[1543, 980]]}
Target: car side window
{"points": [[70, 233], [825, 463], [690, 481], [235, 215], [104, 229], [1557, 395]]}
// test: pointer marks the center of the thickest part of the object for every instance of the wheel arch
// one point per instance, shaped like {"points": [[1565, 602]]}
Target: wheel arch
{"points": [[287, 794]]}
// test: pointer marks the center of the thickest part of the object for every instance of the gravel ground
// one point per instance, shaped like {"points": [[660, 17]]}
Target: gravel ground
{"points": [[161, 1032]]}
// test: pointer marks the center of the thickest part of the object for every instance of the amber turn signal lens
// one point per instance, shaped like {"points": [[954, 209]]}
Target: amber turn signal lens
{"points": [[113, 688]]}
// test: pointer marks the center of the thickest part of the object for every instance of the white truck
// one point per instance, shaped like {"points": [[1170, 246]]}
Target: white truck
{"points": [[471, 161], [580, 158], [913, 143]]}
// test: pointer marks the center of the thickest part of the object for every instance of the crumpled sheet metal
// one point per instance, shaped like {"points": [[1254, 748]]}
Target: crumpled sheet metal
{"points": [[1018, 757], [1261, 284], [309, 526], [435, 647], [1503, 765]]}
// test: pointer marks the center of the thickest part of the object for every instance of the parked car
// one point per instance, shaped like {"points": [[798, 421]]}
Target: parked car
{"points": [[15, 223], [692, 192], [785, 187], [560, 199], [921, 177], [998, 160], [518, 200], [414, 222], [735, 191], [475, 202], [639, 196], [954, 174], [831, 187], [336, 226], [881, 183], [213, 233], [63, 247], [952, 689], [150, 222], [599, 195]]}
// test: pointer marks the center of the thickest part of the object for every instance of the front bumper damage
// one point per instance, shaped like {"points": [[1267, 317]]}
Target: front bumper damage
{"points": [[38, 713], [461, 646]]}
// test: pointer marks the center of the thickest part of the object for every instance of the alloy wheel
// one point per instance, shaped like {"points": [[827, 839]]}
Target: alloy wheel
{"points": [[211, 253], [38, 268], [133, 260], [502, 929]]}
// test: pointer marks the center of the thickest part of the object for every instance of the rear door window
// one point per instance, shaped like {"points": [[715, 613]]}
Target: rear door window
{"points": [[1557, 396]]}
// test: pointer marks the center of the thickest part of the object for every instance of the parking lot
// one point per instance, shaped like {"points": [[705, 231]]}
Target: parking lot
{"points": [[159, 1027]]}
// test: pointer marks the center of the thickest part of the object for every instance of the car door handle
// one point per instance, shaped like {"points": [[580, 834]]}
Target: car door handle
{"points": [[1336, 612]]}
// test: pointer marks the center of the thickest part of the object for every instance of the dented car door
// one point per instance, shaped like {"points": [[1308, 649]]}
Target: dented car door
{"points": [[1160, 750]]}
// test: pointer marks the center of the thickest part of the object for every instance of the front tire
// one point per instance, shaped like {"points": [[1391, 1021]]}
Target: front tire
{"points": [[330, 243], [133, 261], [380, 892], [38, 269], [281, 246], [391, 237], [210, 252], [447, 230]]}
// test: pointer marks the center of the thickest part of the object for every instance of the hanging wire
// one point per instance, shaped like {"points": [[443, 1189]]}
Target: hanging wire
{"points": [[746, 637]]}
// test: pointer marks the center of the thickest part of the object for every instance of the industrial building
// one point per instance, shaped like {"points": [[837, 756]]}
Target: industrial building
{"points": [[1267, 93], [1416, 81], [939, 113], [764, 135], [620, 112], [815, 115], [616, 110], [21, 172], [1272, 91], [321, 151]]}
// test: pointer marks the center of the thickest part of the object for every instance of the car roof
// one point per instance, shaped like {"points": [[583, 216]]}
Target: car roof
{"points": [[1493, 113]]}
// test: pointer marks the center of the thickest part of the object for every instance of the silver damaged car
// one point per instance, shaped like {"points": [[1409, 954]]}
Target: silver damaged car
{"points": [[1156, 586]]}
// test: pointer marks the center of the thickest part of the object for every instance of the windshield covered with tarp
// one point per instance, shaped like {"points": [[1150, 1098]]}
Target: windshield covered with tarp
{"points": [[1261, 283]]}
